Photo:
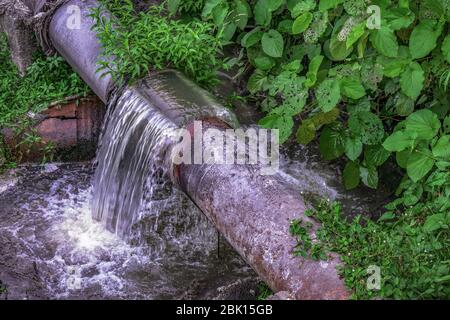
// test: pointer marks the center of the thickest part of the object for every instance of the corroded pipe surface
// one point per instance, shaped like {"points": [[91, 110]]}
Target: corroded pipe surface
{"points": [[253, 212], [78, 44]]}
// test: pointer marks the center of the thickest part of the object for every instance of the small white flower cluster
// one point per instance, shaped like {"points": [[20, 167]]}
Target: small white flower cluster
{"points": [[347, 28], [356, 7], [317, 28]]}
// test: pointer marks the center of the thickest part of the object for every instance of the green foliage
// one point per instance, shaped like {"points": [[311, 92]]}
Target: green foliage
{"points": [[371, 95], [308, 57], [151, 39], [47, 80], [411, 248], [3, 288], [263, 291]]}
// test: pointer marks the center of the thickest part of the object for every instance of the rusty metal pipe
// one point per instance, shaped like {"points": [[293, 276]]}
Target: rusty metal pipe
{"points": [[79, 45], [253, 212]]}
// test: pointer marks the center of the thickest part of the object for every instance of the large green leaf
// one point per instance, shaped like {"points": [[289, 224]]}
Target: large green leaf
{"points": [[424, 123], [331, 143], [273, 43], [376, 155], [302, 23], [351, 87], [369, 176], [353, 148], [412, 80], [241, 13], [209, 7], [424, 38], [311, 75], [262, 12], [435, 222], [367, 126], [256, 81], [446, 48], [281, 122], [419, 164], [442, 147], [325, 5], [398, 141], [385, 41], [328, 94], [351, 175], [355, 34], [306, 132], [252, 37]]}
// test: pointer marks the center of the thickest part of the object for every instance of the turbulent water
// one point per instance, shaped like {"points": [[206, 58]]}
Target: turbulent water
{"points": [[51, 248]]}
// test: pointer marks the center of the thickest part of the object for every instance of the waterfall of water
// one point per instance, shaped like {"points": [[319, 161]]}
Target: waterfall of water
{"points": [[134, 140]]}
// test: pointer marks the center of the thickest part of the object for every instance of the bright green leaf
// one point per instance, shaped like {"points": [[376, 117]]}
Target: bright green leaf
{"points": [[419, 164], [273, 43]]}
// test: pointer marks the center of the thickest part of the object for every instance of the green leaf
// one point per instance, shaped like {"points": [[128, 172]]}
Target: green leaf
{"points": [[302, 23], [442, 147], [297, 7], [219, 13], [285, 26], [251, 38], [321, 119], [376, 155], [355, 34], [209, 7], [306, 132], [369, 176], [351, 175], [419, 164], [256, 81], [331, 143], [273, 5], [424, 123], [398, 141], [273, 43], [325, 5], [351, 87], [328, 94], [404, 105], [399, 18], [423, 39], [173, 6], [367, 126], [402, 158], [353, 148], [435, 222], [241, 13], [311, 75], [385, 41], [262, 12], [412, 80], [446, 48], [392, 67], [264, 62], [336, 50], [281, 122]]}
